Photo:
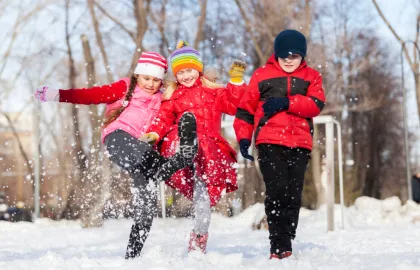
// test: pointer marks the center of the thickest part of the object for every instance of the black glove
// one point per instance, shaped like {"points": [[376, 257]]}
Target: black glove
{"points": [[275, 105], [244, 146]]}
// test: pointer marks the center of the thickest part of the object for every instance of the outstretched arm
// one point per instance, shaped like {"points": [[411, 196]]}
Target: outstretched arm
{"points": [[95, 95]]}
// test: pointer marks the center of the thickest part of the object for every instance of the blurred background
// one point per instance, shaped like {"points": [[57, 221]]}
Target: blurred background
{"points": [[355, 44]]}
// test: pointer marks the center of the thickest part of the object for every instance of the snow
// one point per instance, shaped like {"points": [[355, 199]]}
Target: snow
{"points": [[377, 235]]}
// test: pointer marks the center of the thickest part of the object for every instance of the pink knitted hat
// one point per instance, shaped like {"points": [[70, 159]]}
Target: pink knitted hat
{"points": [[152, 64]]}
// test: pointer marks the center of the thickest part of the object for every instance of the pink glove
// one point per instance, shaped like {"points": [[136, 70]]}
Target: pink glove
{"points": [[46, 94]]}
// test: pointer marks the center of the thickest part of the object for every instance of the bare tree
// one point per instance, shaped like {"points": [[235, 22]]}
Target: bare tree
{"points": [[141, 10], [159, 18], [13, 54], [72, 209], [99, 40], [200, 24], [22, 150], [20, 20], [261, 56], [413, 59]]}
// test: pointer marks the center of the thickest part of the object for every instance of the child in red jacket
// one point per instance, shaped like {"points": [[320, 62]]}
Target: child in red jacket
{"points": [[213, 172], [282, 98]]}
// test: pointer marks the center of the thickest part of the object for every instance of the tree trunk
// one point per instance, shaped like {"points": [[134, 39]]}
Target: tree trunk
{"points": [[100, 42], [253, 190], [21, 149], [417, 87], [93, 182], [140, 12], [72, 209], [371, 187], [200, 25]]}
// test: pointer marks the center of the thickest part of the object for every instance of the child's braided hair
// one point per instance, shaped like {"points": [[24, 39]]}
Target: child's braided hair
{"points": [[113, 115]]}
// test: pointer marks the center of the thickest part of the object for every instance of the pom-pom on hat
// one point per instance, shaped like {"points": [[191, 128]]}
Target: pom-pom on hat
{"points": [[185, 57], [152, 64], [289, 42]]}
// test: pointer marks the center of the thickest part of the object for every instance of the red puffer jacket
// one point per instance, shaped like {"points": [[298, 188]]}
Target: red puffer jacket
{"points": [[291, 128], [215, 158]]}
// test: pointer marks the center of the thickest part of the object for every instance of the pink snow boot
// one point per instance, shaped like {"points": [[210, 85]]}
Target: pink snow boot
{"points": [[198, 241], [281, 256]]}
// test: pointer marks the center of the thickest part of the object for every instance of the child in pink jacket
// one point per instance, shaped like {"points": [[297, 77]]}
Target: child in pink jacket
{"points": [[132, 105]]}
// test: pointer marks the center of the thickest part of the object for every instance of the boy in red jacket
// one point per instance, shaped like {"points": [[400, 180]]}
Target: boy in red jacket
{"points": [[282, 98]]}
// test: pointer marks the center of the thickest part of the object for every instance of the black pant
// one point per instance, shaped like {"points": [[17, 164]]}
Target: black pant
{"points": [[415, 186], [128, 152], [283, 170]]}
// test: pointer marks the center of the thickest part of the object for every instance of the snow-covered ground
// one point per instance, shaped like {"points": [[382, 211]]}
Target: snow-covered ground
{"points": [[377, 235]]}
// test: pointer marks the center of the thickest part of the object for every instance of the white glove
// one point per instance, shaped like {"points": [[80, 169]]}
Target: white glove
{"points": [[45, 94]]}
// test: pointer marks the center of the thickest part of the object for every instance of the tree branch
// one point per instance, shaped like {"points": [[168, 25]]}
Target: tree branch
{"points": [[130, 33], [80, 154], [99, 40], [201, 22], [395, 34], [417, 41], [91, 75], [21, 148], [140, 13], [19, 20], [161, 27], [308, 20], [249, 29]]}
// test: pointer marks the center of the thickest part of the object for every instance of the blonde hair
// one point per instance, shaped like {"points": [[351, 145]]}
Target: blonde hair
{"points": [[171, 86]]}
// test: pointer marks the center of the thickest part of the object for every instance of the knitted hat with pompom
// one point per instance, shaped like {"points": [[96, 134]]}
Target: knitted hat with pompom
{"points": [[152, 64], [185, 57]]}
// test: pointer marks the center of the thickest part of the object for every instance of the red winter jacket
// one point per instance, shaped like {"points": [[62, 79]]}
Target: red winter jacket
{"points": [[291, 128], [215, 158]]}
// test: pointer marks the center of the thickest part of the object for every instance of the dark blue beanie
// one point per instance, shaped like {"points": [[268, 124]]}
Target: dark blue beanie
{"points": [[289, 42]]}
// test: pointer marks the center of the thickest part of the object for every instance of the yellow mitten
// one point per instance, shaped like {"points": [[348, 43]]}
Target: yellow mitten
{"points": [[236, 72], [151, 137]]}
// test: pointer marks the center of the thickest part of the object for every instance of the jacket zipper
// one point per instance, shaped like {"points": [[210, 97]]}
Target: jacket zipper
{"points": [[292, 124]]}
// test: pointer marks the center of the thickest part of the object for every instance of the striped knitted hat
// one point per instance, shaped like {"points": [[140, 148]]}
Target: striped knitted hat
{"points": [[152, 64], [185, 57]]}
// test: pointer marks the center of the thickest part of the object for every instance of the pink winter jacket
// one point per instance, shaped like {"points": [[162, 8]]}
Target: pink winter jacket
{"points": [[138, 115], [135, 119]]}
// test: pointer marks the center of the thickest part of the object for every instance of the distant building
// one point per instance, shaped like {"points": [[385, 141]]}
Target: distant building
{"points": [[14, 175]]}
